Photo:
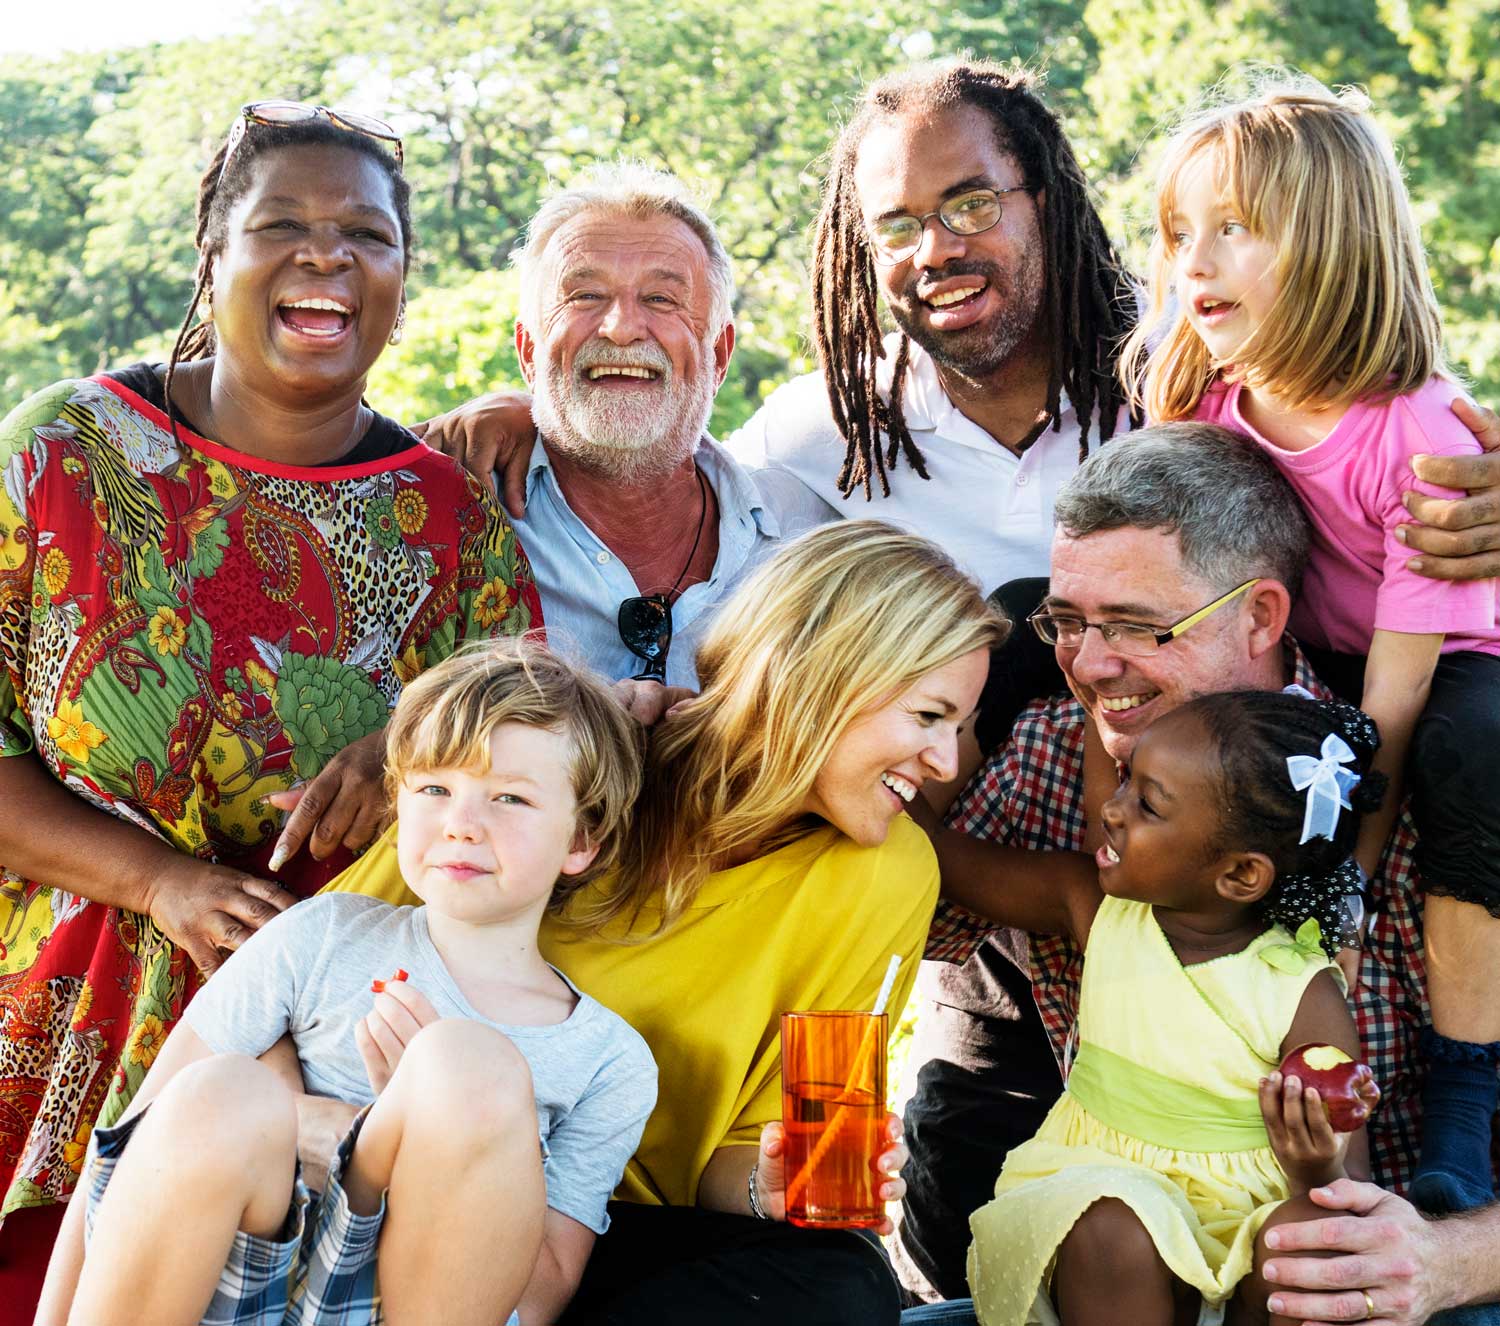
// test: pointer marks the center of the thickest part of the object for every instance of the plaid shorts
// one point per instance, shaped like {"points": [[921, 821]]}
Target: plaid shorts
{"points": [[321, 1270]]}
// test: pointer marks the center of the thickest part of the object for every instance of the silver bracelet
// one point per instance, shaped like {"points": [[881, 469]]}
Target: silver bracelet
{"points": [[756, 1209]]}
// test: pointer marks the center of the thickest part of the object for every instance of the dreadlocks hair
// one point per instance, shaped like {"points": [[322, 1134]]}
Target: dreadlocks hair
{"points": [[1260, 810], [222, 187], [1090, 297]]}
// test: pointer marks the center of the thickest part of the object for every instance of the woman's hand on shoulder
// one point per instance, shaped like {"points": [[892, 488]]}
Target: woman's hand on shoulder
{"points": [[770, 1177], [344, 805], [487, 434], [209, 910]]}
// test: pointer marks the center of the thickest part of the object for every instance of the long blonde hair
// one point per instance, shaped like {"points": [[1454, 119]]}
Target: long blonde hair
{"points": [[834, 625], [1354, 315]]}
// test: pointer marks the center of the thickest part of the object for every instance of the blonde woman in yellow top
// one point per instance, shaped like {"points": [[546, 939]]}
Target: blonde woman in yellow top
{"points": [[771, 868]]}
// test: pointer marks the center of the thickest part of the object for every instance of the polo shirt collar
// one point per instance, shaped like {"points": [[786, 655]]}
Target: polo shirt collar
{"points": [[927, 407]]}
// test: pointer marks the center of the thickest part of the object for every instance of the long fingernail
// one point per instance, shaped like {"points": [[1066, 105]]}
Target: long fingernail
{"points": [[278, 858]]}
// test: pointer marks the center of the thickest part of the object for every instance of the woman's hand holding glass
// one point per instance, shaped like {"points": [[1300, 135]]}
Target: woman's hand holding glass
{"points": [[770, 1170]]}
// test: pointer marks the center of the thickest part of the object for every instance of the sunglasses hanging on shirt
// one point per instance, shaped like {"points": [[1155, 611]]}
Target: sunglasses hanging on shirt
{"points": [[645, 621]]}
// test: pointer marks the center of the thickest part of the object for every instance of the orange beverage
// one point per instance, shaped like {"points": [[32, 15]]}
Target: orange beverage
{"points": [[833, 1110]]}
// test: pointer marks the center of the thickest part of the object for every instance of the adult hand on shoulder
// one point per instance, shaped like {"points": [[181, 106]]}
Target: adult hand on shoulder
{"points": [[771, 1176], [648, 702], [489, 433], [400, 1011], [1459, 537], [344, 805], [208, 910], [1383, 1248]]}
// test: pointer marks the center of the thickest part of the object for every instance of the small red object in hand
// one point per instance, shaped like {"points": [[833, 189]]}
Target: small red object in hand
{"points": [[377, 985], [1346, 1087]]}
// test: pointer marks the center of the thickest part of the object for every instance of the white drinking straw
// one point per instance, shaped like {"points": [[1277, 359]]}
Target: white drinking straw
{"points": [[887, 984]]}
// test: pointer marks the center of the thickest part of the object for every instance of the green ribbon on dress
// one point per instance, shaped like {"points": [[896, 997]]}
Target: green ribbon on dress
{"points": [[1140, 1103]]}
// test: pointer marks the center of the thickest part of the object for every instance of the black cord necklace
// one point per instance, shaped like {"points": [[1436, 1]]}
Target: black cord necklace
{"points": [[671, 594]]}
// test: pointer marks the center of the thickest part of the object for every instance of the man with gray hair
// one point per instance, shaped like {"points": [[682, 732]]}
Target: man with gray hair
{"points": [[637, 522], [1175, 558]]}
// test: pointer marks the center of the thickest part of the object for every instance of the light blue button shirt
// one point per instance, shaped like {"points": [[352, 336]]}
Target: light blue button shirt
{"points": [[582, 583]]}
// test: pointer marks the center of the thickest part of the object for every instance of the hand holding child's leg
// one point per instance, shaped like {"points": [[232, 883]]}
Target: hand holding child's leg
{"points": [[215, 1153], [1248, 1307], [454, 1140]]}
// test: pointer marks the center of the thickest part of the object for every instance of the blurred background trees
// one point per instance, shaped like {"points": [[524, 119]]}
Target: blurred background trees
{"points": [[101, 153]]}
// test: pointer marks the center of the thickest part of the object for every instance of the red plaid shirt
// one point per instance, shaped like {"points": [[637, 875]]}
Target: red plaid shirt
{"points": [[1030, 794]]}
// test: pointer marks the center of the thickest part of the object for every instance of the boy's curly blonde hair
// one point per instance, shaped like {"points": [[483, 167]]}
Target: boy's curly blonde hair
{"points": [[446, 717]]}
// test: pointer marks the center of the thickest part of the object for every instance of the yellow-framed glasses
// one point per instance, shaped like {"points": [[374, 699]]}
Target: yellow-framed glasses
{"points": [[1060, 628]]}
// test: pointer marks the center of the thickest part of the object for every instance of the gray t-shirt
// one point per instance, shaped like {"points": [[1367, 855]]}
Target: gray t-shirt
{"points": [[308, 972]]}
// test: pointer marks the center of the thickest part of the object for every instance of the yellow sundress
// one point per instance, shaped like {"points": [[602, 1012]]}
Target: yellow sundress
{"points": [[1160, 1111]]}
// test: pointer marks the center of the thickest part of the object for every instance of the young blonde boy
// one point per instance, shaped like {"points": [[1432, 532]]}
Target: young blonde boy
{"points": [[513, 775]]}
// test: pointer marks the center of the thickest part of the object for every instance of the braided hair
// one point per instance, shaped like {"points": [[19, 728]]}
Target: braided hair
{"points": [[1090, 300], [223, 186], [1255, 732]]}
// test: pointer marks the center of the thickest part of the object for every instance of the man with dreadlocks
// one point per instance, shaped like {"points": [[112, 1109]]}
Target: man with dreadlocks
{"points": [[954, 198]]}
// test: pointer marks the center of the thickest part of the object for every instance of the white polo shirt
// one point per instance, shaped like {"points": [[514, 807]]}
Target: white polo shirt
{"points": [[990, 509]]}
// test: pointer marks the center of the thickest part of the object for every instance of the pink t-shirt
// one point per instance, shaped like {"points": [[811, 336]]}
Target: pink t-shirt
{"points": [[1351, 484]]}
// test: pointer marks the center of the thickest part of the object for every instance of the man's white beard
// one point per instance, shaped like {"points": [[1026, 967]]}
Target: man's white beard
{"points": [[631, 438]]}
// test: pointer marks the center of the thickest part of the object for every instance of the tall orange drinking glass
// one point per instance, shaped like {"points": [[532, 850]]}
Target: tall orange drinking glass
{"points": [[833, 1110]]}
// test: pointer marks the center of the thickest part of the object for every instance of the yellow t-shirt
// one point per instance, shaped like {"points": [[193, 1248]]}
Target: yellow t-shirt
{"points": [[809, 926]]}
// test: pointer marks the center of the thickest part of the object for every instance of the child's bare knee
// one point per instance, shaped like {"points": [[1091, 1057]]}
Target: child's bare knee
{"points": [[1108, 1241], [469, 1074], [227, 1110]]}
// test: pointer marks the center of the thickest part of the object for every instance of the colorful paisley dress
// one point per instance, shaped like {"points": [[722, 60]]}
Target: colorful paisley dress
{"points": [[183, 630]]}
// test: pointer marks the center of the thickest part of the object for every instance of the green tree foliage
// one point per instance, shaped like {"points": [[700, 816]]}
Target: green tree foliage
{"points": [[500, 99]]}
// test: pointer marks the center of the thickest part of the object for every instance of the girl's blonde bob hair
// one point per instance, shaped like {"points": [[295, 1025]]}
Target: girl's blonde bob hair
{"points": [[1354, 314], [837, 624], [446, 717]]}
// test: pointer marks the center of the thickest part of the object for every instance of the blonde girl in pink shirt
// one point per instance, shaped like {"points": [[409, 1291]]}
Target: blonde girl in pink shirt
{"points": [[1290, 300]]}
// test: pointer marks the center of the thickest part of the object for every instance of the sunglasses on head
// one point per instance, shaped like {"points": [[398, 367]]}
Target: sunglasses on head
{"points": [[645, 626], [300, 112]]}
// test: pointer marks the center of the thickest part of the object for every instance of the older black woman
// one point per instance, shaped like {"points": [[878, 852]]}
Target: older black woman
{"points": [[214, 580]]}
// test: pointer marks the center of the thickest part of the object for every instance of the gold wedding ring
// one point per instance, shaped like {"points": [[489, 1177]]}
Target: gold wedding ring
{"points": [[1369, 1305]]}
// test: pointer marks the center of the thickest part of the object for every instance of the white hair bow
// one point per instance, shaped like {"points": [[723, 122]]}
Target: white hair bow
{"points": [[1328, 786]]}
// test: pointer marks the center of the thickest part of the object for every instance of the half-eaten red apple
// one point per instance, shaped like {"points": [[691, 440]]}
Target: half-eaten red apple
{"points": [[1346, 1087]]}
